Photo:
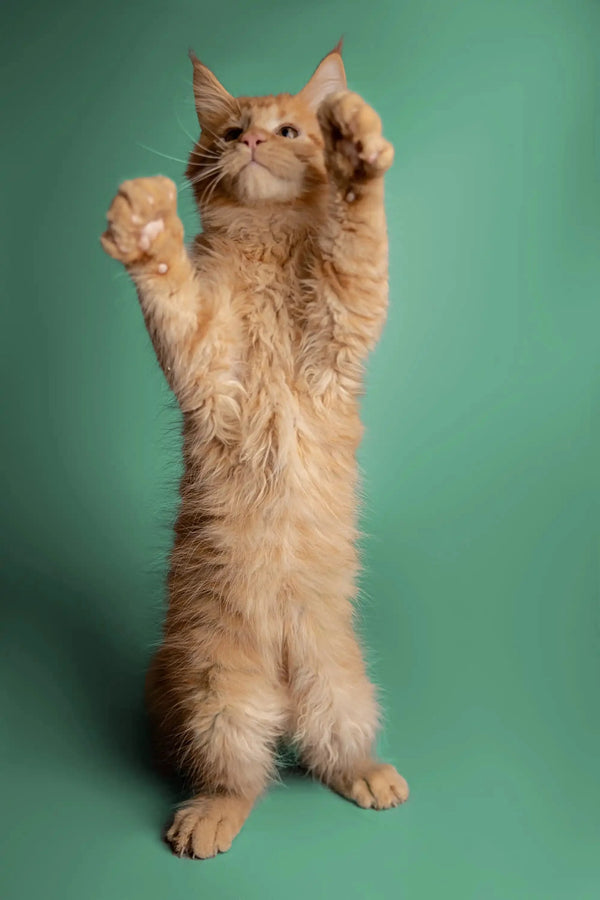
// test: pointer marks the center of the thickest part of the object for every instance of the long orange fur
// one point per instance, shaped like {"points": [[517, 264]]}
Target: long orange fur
{"points": [[262, 328]]}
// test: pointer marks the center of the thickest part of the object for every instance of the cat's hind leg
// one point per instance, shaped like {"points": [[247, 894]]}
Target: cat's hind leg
{"points": [[336, 714], [219, 722]]}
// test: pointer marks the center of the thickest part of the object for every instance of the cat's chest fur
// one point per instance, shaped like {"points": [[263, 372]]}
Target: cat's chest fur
{"points": [[287, 417], [268, 337], [265, 364]]}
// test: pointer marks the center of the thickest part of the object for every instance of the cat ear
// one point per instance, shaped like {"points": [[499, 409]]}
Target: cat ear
{"points": [[329, 77], [213, 102]]}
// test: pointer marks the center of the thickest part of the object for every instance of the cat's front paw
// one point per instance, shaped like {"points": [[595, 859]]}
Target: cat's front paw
{"points": [[355, 148], [143, 222]]}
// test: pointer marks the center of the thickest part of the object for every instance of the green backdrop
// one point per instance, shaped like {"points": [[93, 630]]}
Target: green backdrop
{"points": [[480, 457]]}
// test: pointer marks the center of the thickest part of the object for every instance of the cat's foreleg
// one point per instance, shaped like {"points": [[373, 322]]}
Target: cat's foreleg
{"points": [[185, 318], [357, 156], [353, 254]]}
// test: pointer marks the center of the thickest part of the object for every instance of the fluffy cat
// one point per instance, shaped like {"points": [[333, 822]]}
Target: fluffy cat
{"points": [[262, 328]]}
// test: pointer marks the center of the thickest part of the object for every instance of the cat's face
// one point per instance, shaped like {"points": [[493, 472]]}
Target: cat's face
{"points": [[266, 149], [255, 150]]}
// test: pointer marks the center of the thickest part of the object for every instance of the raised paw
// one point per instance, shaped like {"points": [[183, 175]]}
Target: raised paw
{"points": [[207, 825], [354, 145], [377, 787], [142, 221]]}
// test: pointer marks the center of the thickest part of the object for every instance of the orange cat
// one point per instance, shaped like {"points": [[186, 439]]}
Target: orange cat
{"points": [[262, 329]]}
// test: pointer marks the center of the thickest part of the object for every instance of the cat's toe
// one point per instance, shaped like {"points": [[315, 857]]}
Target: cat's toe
{"points": [[387, 786], [206, 826], [142, 219], [352, 131], [379, 787]]}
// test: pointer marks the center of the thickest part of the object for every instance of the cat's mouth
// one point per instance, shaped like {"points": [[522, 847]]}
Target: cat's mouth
{"points": [[254, 162], [254, 180]]}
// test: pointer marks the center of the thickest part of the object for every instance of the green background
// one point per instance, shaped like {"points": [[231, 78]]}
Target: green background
{"points": [[480, 456]]}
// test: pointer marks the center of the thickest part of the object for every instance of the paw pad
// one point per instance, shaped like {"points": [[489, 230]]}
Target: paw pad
{"points": [[142, 221]]}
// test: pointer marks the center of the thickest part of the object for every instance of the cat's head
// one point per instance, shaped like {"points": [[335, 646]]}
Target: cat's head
{"points": [[257, 150]]}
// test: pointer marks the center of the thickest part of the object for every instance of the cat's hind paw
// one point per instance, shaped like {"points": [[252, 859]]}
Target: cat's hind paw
{"points": [[378, 787], [207, 825]]}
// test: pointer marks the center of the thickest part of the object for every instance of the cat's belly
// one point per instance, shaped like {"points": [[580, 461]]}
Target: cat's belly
{"points": [[270, 520], [278, 495], [298, 474]]}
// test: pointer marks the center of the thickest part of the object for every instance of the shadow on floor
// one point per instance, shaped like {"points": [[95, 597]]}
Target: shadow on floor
{"points": [[76, 664]]}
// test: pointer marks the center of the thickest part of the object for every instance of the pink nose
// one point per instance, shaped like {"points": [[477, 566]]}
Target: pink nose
{"points": [[252, 139]]}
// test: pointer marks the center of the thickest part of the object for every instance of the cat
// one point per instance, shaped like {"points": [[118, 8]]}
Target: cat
{"points": [[262, 329]]}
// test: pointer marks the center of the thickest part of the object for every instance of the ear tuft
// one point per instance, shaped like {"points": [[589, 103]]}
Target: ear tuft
{"points": [[339, 46], [328, 77]]}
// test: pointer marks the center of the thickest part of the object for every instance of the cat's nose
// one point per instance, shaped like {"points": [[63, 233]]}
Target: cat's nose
{"points": [[253, 139]]}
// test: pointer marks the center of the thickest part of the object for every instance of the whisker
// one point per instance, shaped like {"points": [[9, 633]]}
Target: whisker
{"points": [[159, 153], [203, 156], [208, 154], [205, 200], [213, 134], [190, 183], [205, 173], [184, 186], [184, 129], [208, 170]]}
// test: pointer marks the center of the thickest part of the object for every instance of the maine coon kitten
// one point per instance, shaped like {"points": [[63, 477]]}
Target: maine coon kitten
{"points": [[262, 328]]}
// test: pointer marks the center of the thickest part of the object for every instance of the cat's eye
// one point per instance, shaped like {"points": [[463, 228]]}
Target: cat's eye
{"points": [[232, 134], [288, 131]]}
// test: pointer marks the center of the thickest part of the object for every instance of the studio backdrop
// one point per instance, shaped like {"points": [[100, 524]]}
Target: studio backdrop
{"points": [[479, 593]]}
